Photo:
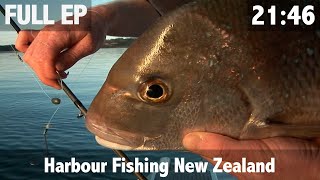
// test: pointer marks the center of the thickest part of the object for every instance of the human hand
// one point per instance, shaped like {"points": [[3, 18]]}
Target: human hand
{"points": [[294, 158], [56, 48]]}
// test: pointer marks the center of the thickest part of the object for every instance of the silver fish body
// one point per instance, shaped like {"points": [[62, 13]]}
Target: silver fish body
{"points": [[200, 69]]}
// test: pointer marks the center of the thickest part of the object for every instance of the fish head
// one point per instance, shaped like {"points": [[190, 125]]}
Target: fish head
{"points": [[155, 93]]}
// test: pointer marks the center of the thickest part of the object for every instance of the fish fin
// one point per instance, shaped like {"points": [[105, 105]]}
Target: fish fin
{"points": [[260, 130]]}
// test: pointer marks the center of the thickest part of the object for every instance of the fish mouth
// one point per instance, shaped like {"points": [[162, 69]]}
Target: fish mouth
{"points": [[114, 138]]}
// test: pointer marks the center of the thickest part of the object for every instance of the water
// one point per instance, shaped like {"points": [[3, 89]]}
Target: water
{"points": [[25, 110]]}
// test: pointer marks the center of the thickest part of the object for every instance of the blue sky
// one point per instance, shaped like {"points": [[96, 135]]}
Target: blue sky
{"points": [[95, 2], [8, 37]]}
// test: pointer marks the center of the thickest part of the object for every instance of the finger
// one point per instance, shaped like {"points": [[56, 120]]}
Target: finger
{"points": [[50, 82], [72, 55], [62, 74], [24, 39], [215, 145], [50, 77], [41, 56], [47, 74]]}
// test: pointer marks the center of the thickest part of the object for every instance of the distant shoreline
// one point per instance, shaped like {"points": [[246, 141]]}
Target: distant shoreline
{"points": [[7, 48], [118, 43], [109, 43]]}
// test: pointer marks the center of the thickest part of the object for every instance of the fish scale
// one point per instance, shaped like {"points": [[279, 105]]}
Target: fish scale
{"points": [[215, 76], [303, 102]]}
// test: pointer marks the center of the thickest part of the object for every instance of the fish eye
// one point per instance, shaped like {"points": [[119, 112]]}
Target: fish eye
{"points": [[154, 90]]}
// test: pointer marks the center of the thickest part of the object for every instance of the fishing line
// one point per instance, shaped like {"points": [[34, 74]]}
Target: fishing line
{"points": [[45, 132], [78, 103], [75, 80], [47, 126], [83, 69], [29, 71], [155, 7]]}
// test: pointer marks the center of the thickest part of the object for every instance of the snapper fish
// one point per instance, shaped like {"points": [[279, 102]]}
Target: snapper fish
{"points": [[199, 68]]}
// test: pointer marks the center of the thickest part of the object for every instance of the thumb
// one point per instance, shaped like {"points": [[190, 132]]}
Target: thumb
{"points": [[25, 38], [214, 145]]}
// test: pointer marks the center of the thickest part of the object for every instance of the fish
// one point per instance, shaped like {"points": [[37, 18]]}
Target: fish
{"points": [[200, 69]]}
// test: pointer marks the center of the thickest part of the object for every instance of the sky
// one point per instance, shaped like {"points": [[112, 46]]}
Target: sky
{"points": [[9, 37]]}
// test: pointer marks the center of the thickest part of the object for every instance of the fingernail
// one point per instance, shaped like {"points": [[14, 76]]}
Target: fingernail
{"points": [[62, 74], [191, 141]]}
